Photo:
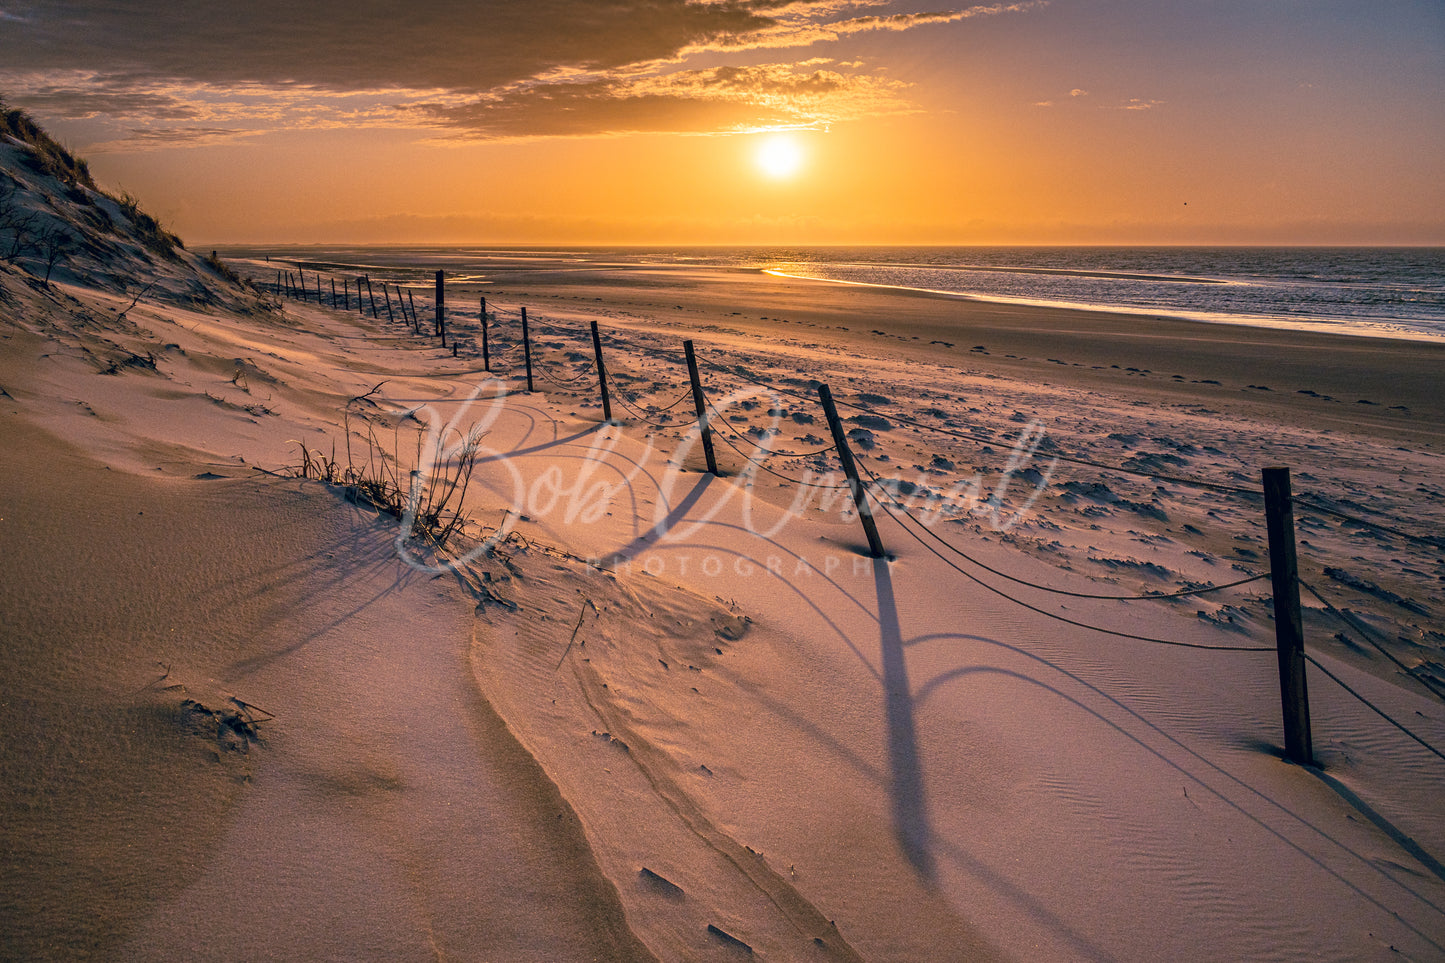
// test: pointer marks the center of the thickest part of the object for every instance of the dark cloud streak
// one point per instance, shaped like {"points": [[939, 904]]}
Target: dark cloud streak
{"points": [[344, 45], [496, 68]]}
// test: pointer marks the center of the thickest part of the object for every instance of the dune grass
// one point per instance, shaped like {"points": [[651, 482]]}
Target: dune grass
{"points": [[428, 497]]}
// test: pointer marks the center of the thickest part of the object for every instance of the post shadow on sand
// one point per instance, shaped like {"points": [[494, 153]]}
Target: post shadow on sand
{"points": [[650, 537], [910, 812]]}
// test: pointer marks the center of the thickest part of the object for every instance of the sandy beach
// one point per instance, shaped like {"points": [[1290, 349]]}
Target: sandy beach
{"points": [[1359, 383], [635, 710], [693, 481]]}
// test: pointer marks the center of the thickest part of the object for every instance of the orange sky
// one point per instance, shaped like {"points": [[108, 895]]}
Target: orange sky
{"points": [[639, 121]]}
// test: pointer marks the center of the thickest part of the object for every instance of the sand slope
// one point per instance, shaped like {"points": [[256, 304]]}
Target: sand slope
{"points": [[816, 754], [384, 813]]}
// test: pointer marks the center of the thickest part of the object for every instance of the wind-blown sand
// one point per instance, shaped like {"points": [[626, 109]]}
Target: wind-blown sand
{"points": [[621, 738]]}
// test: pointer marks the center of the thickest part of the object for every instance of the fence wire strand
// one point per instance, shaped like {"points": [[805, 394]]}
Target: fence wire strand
{"points": [[1374, 708], [542, 366], [991, 438], [637, 412], [719, 419], [1052, 615], [1364, 630], [1308, 503], [752, 461], [1189, 593]]}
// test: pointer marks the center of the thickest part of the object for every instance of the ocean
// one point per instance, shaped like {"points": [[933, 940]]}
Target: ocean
{"points": [[1382, 292]]}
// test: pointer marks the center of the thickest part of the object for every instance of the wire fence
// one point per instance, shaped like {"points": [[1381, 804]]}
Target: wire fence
{"points": [[755, 452]]}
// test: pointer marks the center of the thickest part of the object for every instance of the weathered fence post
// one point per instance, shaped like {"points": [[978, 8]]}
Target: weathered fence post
{"points": [[333, 294], [279, 292], [415, 324], [372, 298], [700, 404], [441, 308], [486, 351], [855, 486], [601, 374], [386, 293], [1288, 625], [527, 349]]}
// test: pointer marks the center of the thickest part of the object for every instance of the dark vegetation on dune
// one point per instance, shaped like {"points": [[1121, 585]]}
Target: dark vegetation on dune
{"points": [[47, 157], [57, 223]]}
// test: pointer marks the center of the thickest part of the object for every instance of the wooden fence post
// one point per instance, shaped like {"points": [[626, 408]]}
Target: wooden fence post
{"points": [[441, 307], [372, 298], [279, 292], [415, 324], [527, 349], [386, 293], [486, 351], [855, 486], [1288, 625], [333, 294], [601, 374], [700, 404]]}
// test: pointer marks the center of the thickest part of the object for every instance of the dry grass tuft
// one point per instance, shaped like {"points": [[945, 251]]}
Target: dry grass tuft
{"points": [[428, 497]]}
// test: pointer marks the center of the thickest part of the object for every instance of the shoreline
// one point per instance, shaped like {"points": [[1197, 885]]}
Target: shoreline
{"points": [[1334, 380], [1318, 326], [469, 259]]}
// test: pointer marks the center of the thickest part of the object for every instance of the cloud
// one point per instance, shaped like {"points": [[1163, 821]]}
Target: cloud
{"points": [[456, 44], [142, 139], [805, 30], [1137, 103], [495, 68], [697, 101], [1078, 92]]}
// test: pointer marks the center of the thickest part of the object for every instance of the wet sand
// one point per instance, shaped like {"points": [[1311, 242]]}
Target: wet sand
{"points": [[1337, 382]]}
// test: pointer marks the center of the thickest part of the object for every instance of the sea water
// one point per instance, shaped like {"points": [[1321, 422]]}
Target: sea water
{"points": [[1384, 292]]}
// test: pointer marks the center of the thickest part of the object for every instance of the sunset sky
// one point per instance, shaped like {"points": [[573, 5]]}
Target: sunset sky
{"points": [[751, 121]]}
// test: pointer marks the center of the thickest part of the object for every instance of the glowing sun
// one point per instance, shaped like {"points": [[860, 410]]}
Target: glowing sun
{"points": [[779, 156]]}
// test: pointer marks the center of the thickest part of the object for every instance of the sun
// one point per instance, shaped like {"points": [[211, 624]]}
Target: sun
{"points": [[779, 156]]}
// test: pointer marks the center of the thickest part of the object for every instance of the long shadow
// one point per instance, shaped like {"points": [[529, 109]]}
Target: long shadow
{"points": [[1318, 859], [650, 537], [910, 811], [1401, 838], [544, 446]]}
